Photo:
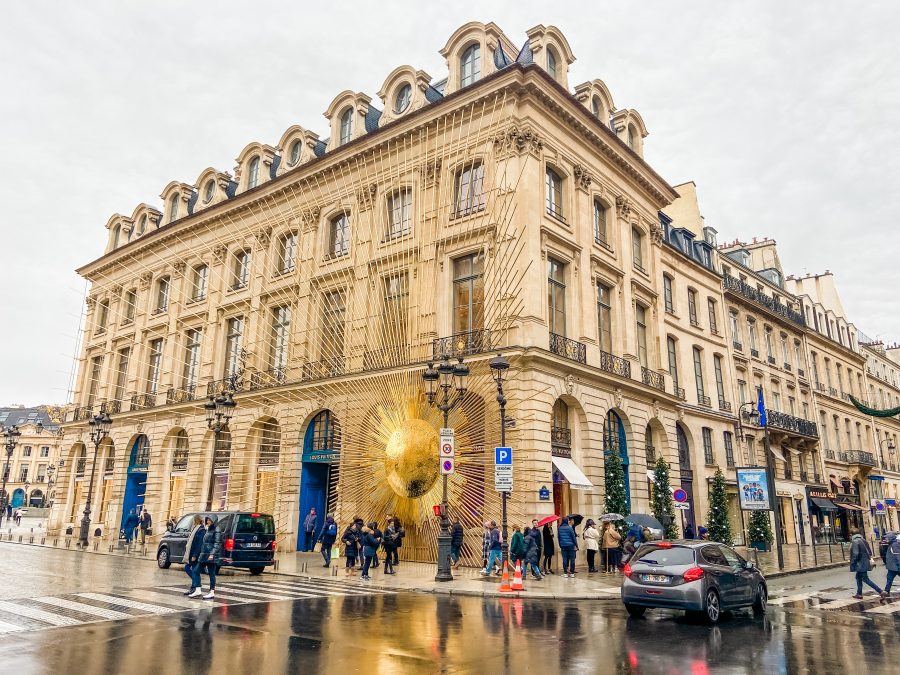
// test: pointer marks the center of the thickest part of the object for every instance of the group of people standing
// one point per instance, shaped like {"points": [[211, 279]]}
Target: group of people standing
{"points": [[361, 542], [137, 522], [202, 553]]}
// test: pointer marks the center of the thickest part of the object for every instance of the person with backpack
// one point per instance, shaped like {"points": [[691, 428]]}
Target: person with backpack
{"points": [[327, 537], [494, 549], [351, 540]]}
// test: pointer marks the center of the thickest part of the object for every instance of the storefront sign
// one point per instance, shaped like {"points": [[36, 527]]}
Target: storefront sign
{"points": [[819, 493], [783, 493], [753, 489]]}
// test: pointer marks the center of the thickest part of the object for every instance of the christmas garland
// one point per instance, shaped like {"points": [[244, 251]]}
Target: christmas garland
{"points": [[874, 412]]}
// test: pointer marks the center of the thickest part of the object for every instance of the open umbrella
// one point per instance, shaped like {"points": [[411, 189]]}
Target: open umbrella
{"points": [[547, 519], [577, 517], [611, 517], [644, 520]]}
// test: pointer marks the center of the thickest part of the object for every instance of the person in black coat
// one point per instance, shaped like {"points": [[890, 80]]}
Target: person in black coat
{"points": [[549, 549], [398, 541], [532, 555], [370, 544], [456, 541], [351, 539], [389, 543], [191, 558], [327, 537]]}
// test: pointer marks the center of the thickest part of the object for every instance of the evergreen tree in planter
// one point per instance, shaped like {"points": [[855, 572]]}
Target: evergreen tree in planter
{"points": [[616, 501], [662, 498], [760, 530], [717, 523]]}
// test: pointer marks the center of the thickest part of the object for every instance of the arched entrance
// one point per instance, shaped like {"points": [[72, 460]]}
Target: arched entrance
{"points": [[319, 478], [687, 475], [18, 498], [614, 441], [36, 499], [218, 491], [136, 479]]}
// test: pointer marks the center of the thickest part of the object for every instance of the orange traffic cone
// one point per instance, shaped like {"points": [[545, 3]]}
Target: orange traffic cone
{"points": [[517, 584], [504, 580]]}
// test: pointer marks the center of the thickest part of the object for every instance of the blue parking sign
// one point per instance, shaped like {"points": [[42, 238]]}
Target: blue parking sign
{"points": [[503, 456]]}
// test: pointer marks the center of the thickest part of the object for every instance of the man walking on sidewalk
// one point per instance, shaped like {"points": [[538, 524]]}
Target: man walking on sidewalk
{"points": [[145, 524], [494, 553], [860, 563], [309, 528]]}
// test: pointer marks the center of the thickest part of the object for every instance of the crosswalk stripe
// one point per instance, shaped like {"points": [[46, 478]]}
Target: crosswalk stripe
{"points": [[297, 588], [125, 602], [39, 614], [888, 608], [337, 585], [791, 598], [240, 590], [844, 602], [166, 598], [9, 628], [84, 608], [228, 594]]}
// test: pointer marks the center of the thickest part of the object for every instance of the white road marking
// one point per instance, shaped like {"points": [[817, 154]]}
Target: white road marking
{"points": [[153, 596], [240, 590], [84, 608], [125, 602], [844, 602], [888, 608], [792, 598], [39, 614], [9, 628], [298, 589]]}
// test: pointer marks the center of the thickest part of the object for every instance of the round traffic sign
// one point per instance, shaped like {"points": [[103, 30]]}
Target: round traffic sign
{"points": [[448, 464], [447, 448], [879, 506], [679, 495]]}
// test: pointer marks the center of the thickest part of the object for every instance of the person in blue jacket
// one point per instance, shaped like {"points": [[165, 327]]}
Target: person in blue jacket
{"points": [[327, 537], [568, 544], [370, 543]]}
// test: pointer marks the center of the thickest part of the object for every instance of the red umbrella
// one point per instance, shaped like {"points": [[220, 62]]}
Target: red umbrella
{"points": [[547, 519]]}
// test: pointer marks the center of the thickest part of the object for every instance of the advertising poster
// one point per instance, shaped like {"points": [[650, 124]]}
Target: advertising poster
{"points": [[753, 489]]}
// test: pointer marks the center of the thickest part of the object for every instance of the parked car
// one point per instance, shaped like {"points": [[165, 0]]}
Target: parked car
{"points": [[700, 577], [248, 540]]}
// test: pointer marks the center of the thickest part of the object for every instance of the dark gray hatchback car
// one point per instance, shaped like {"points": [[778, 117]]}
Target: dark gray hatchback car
{"points": [[700, 577]]}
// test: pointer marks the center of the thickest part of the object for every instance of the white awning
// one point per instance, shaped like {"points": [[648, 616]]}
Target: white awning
{"points": [[777, 453], [573, 475]]}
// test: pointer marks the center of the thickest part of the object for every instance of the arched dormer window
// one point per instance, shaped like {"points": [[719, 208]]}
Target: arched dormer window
{"points": [[551, 63], [403, 98], [346, 126], [596, 106], [294, 153], [209, 191], [173, 208], [142, 226], [630, 137], [116, 235], [470, 65], [253, 173]]}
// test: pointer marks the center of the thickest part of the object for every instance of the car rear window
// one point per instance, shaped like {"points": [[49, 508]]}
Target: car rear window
{"points": [[654, 555], [248, 524]]}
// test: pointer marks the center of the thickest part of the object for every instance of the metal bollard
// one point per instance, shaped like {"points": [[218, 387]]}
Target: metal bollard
{"points": [[68, 542], [334, 571], [96, 545], [20, 538], [275, 566], [799, 556], [31, 539], [56, 542], [43, 541]]}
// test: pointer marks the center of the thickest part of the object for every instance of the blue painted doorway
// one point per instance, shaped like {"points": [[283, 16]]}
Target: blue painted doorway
{"points": [[136, 481], [318, 478]]}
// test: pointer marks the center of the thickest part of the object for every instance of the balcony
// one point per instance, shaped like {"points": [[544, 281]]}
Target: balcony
{"points": [[181, 395], [221, 458], [330, 367], [738, 347], [653, 379], [724, 405], [111, 407], [109, 465], [771, 360], [819, 387], [829, 454], [180, 460], [82, 414], [754, 353], [143, 401], [462, 344], [680, 393], [561, 441], [602, 242], [801, 372], [570, 349], [615, 364], [80, 464], [651, 454], [694, 322], [272, 377], [389, 357], [786, 366], [743, 289], [705, 401], [784, 422], [832, 391], [232, 383], [860, 457]]}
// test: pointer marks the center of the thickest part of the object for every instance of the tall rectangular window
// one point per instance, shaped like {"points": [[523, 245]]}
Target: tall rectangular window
{"points": [[154, 365], [751, 333], [698, 373], [241, 269], [122, 373], [672, 347], [713, 315], [399, 214], [729, 448], [742, 393], [554, 193], [281, 332], [94, 381], [735, 327], [640, 319], [339, 236], [637, 249], [395, 309], [667, 294], [770, 345], [468, 189], [191, 371], [162, 295], [720, 380], [604, 317], [333, 319], [130, 303], [199, 281], [102, 317], [601, 214], [233, 343], [556, 297], [708, 446], [785, 354], [468, 293], [692, 307], [287, 253]]}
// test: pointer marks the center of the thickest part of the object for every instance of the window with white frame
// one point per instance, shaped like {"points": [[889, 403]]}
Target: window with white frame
{"points": [[154, 365], [637, 248], [173, 207], [102, 317], [399, 214], [209, 191], [668, 297], [640, 315], [199, 281], [287, 253], [281, 328], [253, 173], [554, 193], [124, 355], [468, 189], [713, 315], [130, 303], [94, 380], [470, 65], [294, 153], [708, 456], [692, 307], [240, 269], [233, 344], [604, 316], [163, 285], [346, 127], [468, 293], [698, 374], [556, 296], [191, 371], [672, 348], [601, 216], [551, 63], [334, 312], [339, 236], [395, 310]]}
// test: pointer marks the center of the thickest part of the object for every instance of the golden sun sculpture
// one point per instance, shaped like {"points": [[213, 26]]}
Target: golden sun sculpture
{"points": [[411, 458]]}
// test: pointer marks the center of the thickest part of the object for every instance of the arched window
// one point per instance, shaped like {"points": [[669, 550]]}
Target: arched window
{"points": [[323, 437], [117, 232], [684, 454], [140, 454], [296, 146], [110, 464], [597, 107], [253, 173], [269, 443], [222, 452], [346, 126], [180, 451], [551, 62], [560, 433], [403, 98], [339, 236], [649, 447], [630, 138], [614, 442], [470, 65], [142, 226], [209, 191], [173, 208]]}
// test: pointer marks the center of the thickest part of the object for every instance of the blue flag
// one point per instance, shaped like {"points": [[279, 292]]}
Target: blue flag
{"points": [[761, 407]]}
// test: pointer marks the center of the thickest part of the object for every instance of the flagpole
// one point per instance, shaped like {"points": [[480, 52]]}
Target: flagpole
{"points": [[770, 473]]}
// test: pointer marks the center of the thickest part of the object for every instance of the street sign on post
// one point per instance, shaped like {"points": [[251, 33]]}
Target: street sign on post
{"points": [[679, 495], [447, 451], [682, 506], [448, 465], [503, 469]]}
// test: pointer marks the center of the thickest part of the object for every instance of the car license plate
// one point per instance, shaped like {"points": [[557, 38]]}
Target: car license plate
{"points": [[657, 578], [253, 545]]}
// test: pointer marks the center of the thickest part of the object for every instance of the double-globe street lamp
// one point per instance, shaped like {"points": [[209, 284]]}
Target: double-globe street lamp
{"points": [[219, 410], [499, 366], [12, 434], [99, 425], [445, 387]]}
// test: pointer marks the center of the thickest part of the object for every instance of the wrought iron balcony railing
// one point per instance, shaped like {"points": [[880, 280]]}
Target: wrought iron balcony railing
{"points": [[724, 405], [771, 360], [112, 406], [272, 377], [181, 395], [819, 387], [143, 401], [570, 349], [680, 393], [785, 422], [221, 459], [744, 289], [737, 346], [653, 379], [651, 454], [801, 372], [233, 383], [462, 344], [80, 464], [754, 353], [832, 391], [786, 366], [82, 414], [615, 364], [329, 367], [858, 457], [704, 401], [829, 454], [180, 460], [388, 357], [268, 458]]}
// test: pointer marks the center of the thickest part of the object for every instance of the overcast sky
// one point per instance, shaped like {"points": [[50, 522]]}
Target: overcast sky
{"points": [[787, 116]]}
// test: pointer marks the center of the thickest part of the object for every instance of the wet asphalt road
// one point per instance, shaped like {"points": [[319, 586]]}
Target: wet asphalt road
{"points": [[320, 628]]}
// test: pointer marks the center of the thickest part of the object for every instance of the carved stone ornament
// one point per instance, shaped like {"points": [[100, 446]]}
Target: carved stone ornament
{"points": [[144, 280], [219, 252], [90, 302], [430, 173], [518, 140], [617, 397], [179, 266], [582, 177], [263, 235], [656, 234], [310, 218], [656, 408], [366, 197], [623, 206], [569, 384]]}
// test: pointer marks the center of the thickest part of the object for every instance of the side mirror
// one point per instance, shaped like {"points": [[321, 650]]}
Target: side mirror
{"points": [[749, 565]]}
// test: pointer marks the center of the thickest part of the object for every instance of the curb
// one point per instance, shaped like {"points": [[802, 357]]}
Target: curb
{"points": [[790, 573]]}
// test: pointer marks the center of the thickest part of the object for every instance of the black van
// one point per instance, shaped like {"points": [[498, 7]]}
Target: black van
{"points": [[248, 540]]}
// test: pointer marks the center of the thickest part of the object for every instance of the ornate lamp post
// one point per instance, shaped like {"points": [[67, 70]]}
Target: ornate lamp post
{"points": [[219, 410], [499, 366], [100, 425], [12, 434], [445, 387]]}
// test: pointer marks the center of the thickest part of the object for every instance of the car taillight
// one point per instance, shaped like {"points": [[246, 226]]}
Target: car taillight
{"points": [[693, 574], [229, 544], [274, 544], [663, 544], [627, 570]]}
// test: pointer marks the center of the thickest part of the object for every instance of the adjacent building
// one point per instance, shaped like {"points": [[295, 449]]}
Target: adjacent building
{"points": [[30, 469]]}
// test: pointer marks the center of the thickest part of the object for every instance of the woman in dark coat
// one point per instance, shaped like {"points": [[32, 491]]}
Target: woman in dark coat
{"points": [[549, 549], [327, 537], [370, 543], [532, 553], [191, 558], [389, 542], [351, 539], [211, 552]]}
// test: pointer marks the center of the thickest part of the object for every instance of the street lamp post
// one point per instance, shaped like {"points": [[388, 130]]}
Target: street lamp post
{"points": [[499, 366], [770, 476], [452, 381], [12, 434], [219, 410], [100, 425]]}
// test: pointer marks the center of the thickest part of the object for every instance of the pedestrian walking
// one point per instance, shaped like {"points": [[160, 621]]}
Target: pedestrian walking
{"points": [[517, 545], [380, 536], [398, 541], [629, 547], [689, 531], [145, 525], [532, 553], [18, 516], [8, 511], [609, 540], [892, 560], [191, 558], [494, 552], [388, 542], [591, 544], [548, 549], [568, 544], [211, 553], [351, 539], [456, 541], [485, 543], [370, 544], [861, 562], [327, 537], [538, 538], [310, 525], [129, 526]]}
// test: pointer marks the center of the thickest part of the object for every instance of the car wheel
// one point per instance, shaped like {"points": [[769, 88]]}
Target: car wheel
{"points": [[712, 608], [162, 558], [256, 571], [759, 603], [635, 611]]}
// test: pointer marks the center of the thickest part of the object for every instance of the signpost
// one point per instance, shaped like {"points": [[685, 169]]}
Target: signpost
{"points": [[503, 469], [447, 451]]}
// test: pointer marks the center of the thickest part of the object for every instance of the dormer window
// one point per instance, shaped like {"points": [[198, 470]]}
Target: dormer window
{"points": [[253, 173], [403, 98], [209, 191], [551, 63], [173, 208], [596, 107], [117, 233], [470, 65], [142, 226], [294, 154], [346, 126], [630, 138]]}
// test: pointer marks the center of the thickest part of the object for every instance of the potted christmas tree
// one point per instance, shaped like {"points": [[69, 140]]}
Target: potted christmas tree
{"points": [[760, 531], [662, 506], [717, 522], [616, 499]]}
